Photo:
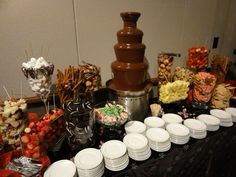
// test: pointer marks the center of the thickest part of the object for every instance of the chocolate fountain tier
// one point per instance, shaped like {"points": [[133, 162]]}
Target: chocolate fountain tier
{"points": [[129, 76], [130, 53], [130, 33]]}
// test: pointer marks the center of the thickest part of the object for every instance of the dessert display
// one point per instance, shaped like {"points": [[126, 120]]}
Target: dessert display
{"points": [[221, 96], [39, 136], [77, 81], [79, 124], [130, 68], [204, 83], [111, 114], [173, 91], [197, 58], [165, 63], [184, 74], [12, 121]]}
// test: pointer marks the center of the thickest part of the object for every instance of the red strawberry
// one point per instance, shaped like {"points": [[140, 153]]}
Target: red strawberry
{"points": [[34, 137], [45, 129], [36, 149], [52, 116], [27, 153], [41, 135], [33, 116], [24, 139], [36, 155], [60, 112], [30, 145], [31, 125]]}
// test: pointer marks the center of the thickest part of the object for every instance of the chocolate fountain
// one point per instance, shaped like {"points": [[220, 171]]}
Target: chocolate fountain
{"points": [[130, 76]]}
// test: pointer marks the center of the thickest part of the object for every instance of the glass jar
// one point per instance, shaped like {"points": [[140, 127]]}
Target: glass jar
{"points": [[79, 125]]}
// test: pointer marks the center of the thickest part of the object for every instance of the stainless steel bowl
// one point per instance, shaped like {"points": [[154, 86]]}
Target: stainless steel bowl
{"points": [[136, 102]]}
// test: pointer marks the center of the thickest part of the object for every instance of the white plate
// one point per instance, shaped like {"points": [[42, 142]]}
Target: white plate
{"points": [[154, 122], [177, 129], [113, 149], [230, 124], [157, 134], [209, 119], [135, 141], [195, 124], [232, 111], [118, 168], [135, 127], [198, 136], [88, 158], [213, 128], [221, 114], [172, 118], [61, 168], [141, 158], [161, 149]]}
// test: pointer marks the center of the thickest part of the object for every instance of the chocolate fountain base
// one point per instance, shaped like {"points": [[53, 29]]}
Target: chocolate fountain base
{"points": [[136, 102]]}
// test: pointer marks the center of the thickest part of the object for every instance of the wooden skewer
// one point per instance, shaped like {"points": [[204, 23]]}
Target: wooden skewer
{"points": [[6, 92], [54, 102]]}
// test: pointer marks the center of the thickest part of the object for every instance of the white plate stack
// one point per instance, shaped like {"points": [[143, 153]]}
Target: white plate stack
{"points": [[159, 139], [232, 111], [137, 145], [115, 155], [212, 123], [61, 168], [198, 129], [225, 117], [179, 134], [89, 163], [154, 122], [172, 118], [135, 127]]}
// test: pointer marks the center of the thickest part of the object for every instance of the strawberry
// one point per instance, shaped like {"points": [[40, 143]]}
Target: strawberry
{"points": [[31, 125], [34, 137], [24, 139], [52, 116], [60, 112], [45, 129], [33, 116], [30, 145], [36, 155], [27, 153], [41, 135], [36, 149]]}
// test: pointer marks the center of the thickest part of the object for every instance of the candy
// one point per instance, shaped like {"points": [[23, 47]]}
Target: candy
{"points": [[173, 91], [204, 84]]}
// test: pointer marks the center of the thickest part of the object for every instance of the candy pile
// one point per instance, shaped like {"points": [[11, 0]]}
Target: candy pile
{"points": [[40, 135], [112, 114], [12, 121], [164, 71], [197, 57], [38, 72], [183, 74], [77, 81], [204, 84], [221, 96], [174, 91]]}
